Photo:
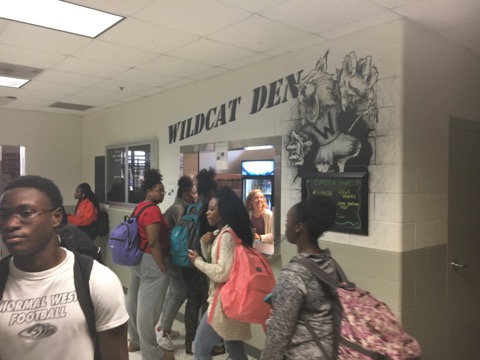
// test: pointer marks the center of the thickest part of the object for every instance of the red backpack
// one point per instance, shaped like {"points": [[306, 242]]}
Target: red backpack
{"points": [[251, 279]]}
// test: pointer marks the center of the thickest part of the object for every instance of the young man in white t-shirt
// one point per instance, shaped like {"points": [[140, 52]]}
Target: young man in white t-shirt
{"points": [[40, 316]]}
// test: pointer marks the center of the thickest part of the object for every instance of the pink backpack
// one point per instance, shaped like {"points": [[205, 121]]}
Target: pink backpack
{"points": [[366, 328], [251, 279]]}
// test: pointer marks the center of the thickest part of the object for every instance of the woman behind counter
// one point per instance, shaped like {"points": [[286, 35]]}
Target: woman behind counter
{"points": [[260, 216], [86, 211]]}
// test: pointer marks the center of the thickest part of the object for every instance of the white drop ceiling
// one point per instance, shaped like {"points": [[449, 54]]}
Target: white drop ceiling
{"points": [[163, 44]]}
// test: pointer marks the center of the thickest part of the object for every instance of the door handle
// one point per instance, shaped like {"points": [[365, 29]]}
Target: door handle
{"points": [[455, 265]]}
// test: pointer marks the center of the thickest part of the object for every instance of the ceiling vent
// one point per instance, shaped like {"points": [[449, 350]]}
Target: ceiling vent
{"points": [[63, 105], [19, 71], [4, 100]]}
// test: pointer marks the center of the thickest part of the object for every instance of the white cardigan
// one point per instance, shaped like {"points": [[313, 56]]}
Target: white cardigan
{"points": [[268, 220], [219, 272]]}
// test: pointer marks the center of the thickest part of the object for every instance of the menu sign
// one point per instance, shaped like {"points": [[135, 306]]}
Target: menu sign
{"points": [[349, 191]]}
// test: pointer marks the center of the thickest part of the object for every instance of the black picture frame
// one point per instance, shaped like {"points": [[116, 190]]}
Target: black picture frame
{"points": [[349, 191]]}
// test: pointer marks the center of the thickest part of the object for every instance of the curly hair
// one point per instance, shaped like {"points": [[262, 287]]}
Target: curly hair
{"points": [[41, 184], [185, 184], [318, 213], [234, 214], [249, 199], [206, 182], [152, 177]]}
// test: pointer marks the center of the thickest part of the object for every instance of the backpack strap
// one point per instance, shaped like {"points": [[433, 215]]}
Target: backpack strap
{"points": [[217, 291], [81, 275], [141, 210], [4, 270], [138, 215], [337, 306]]}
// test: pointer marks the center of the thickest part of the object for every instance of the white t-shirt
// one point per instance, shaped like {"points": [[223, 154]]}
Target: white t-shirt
{"points": [[40, 317]]}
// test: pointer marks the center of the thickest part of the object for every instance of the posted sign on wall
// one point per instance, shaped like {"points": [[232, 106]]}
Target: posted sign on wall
{"points": [[349, 191]]}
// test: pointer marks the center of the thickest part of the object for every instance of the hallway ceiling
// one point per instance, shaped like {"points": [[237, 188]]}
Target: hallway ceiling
{"points": [[164, 44]]}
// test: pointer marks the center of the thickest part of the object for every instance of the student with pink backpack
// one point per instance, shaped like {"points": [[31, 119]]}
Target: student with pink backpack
{"points": [[226, 211]]}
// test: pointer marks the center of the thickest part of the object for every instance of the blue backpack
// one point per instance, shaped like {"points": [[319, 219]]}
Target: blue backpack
{"points": [[185, 235], [124, 242]]}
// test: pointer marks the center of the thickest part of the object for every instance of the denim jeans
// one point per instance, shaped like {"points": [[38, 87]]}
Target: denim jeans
{"points": [[207, 338], [177, 293]]}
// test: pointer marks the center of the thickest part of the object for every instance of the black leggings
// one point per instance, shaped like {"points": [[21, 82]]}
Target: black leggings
{"points": [[197, 294]]}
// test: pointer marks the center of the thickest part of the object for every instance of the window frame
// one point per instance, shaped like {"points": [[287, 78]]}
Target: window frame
{"points": [[131, 182]]}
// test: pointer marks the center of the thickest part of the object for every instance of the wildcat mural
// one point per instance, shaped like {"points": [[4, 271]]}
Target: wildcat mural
{"points": [[335, 115]]}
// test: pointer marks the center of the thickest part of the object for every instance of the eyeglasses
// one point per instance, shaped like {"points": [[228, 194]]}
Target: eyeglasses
{"points": [[160, 191], [25, 215]]}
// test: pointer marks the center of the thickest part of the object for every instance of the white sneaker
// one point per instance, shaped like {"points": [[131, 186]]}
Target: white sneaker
{"points": [[164, 341], [174, 334]]}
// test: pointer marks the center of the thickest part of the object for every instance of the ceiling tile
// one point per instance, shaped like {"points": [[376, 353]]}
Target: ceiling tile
{"points": [[90, 67], [210, 73], [174, 66], [115, 54], [116, 7], [82, 100], [56, 88], [249, 60], [211, 52], [391, 4], [255, 5], [308, 41], [28, 57], [102, 94], [145, 77], [201, 18], [36, 37], [259, 34], [360, 25], [119, 85], [63, 77], [147, 36], [317, 16], [178, 83]]}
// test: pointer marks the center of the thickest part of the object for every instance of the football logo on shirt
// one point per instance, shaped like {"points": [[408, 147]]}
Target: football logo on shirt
{"points": [[38, 331]]}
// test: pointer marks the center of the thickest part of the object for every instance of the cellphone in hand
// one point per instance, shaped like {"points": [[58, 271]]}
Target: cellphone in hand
{"points": [[268, 299]]}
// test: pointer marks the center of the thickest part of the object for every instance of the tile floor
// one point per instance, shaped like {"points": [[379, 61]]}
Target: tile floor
{"points": [[179, 347]]}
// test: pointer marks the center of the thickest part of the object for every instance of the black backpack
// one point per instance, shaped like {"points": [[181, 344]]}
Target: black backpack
{"points": [[73, 238], [103, 223], [81, 273]]}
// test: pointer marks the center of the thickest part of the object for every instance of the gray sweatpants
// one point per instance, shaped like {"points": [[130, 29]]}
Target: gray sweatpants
{"points": [[145, 298]]}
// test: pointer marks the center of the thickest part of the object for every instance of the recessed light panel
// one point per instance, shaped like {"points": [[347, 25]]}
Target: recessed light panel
{"points": [[59, 15], [12, 82]]}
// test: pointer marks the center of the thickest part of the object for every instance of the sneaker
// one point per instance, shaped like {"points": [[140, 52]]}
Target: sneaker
{"points": [[164, 341], [218, 350], [167, 356], [133, 348]]}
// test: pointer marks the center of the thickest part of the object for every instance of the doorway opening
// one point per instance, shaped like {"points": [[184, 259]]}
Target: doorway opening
{"points": [[203, 156]]}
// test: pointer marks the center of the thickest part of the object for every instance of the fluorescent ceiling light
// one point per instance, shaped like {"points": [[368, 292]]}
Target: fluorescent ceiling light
{"points": [[260, 147], [12, 82], [59, 15]]}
